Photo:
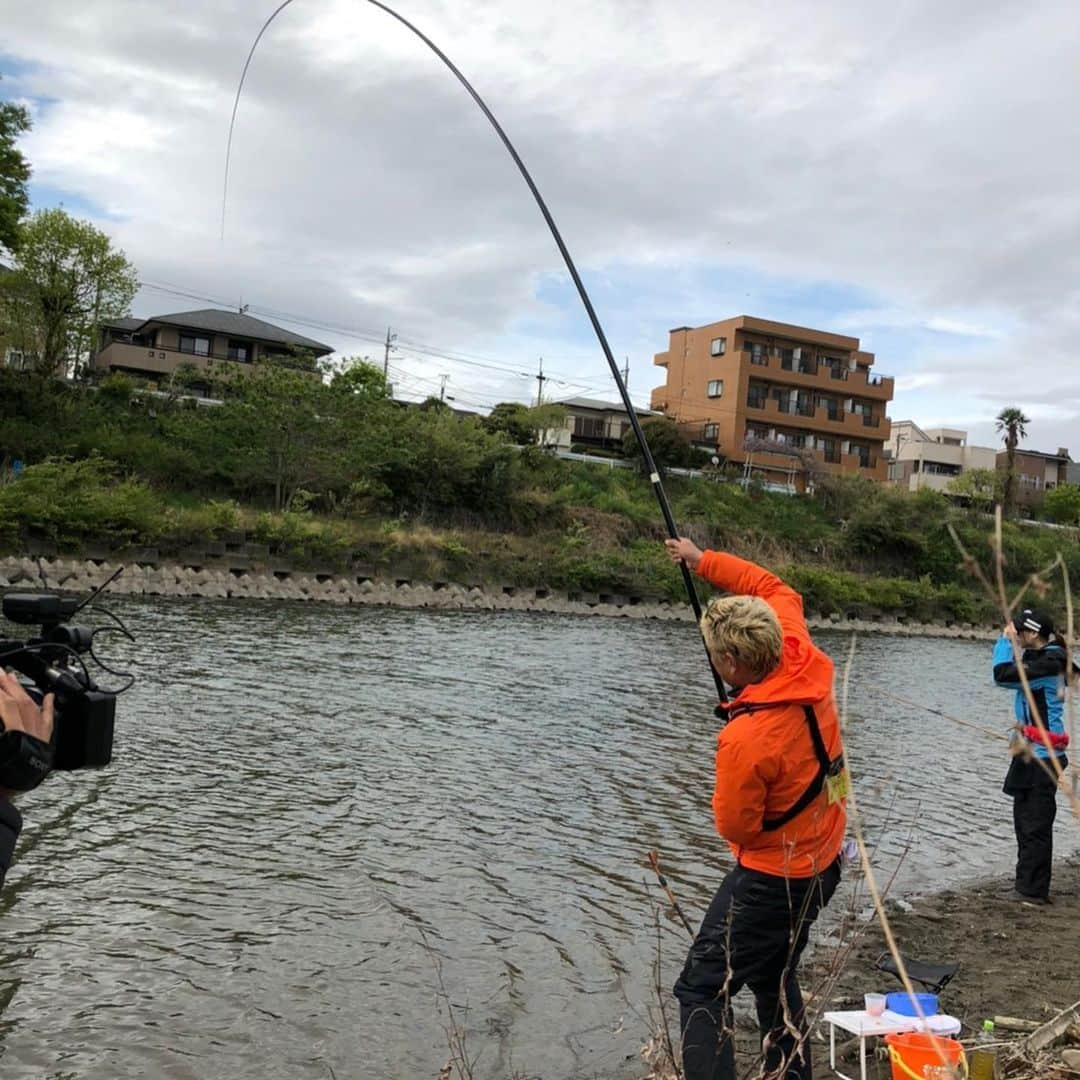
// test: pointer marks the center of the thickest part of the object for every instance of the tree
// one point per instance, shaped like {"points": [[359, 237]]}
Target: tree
{"points": [[523, 425], [67, 280], [361, 378], [542, 420], [670, 448], [14, 173], [1012, 425], [1062, 504], [979, 488], [510, 418], [284, 435]]}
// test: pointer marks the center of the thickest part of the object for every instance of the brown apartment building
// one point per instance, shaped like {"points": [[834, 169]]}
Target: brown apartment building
{"points": [[784, 402], [1036, 472]]}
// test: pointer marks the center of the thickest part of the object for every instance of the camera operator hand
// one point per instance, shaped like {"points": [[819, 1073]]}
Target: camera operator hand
{"points": [[19, 712]]}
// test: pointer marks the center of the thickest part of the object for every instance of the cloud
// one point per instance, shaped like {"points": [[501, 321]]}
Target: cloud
{"points": [[698, 144]]}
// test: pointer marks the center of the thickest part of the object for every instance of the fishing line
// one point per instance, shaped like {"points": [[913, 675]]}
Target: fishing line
{"points": [[631, 412]]}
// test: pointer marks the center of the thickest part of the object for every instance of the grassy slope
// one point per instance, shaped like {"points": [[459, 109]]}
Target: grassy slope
{"points": [[852, 547]]}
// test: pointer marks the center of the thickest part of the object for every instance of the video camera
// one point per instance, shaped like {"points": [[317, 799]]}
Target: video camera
{"points": [[84, 712]]}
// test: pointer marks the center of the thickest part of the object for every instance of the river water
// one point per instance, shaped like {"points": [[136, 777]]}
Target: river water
{"points": [[317, 817]]}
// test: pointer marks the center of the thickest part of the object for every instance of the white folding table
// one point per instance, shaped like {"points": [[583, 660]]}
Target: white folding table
{"points": [[861, 1023]]}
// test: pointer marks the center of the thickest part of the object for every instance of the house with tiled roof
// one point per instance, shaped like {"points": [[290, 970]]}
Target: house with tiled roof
{"points": [[153, 348]]}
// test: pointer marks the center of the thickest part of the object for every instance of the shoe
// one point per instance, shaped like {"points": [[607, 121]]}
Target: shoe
{"points": [[1034, 901], [1024, 898]]}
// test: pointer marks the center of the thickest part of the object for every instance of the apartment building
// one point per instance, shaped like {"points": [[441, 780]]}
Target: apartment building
{"points": [[1036, 472], [933, 457], [787, 403]]}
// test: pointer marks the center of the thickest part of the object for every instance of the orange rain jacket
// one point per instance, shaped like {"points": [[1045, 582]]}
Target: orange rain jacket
{"points": [[765, 760]]}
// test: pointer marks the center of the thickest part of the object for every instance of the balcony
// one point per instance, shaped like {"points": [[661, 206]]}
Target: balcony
{"points": [[799, 367], [821, 420], [879, 387], [791, 406], [157, 361], [858, 383]]}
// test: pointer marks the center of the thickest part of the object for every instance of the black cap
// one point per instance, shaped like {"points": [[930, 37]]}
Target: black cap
{"points": [[1035, 620]]}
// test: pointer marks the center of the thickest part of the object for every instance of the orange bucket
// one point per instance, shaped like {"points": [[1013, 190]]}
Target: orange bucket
{"points": [[910, 1052]]}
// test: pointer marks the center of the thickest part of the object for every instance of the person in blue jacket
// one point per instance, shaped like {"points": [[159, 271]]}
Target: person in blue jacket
{"points": [[1040, 737]]}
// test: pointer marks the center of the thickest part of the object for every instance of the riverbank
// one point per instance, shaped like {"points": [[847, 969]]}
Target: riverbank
{"points": [[1016, 959], [248, 582]]}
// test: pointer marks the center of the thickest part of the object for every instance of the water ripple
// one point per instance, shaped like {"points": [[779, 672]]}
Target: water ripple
{"points": [[303, 796]]}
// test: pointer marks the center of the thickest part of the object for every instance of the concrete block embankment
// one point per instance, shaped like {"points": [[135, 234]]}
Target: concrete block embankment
{"points": [[244, 582]]}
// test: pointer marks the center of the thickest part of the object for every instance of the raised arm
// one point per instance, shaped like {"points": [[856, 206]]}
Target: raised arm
{"points": [[744, 578], [1043, 663]]}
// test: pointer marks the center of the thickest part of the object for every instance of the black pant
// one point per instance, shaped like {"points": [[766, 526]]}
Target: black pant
{"points": [[1034, 795], [753, 935]]}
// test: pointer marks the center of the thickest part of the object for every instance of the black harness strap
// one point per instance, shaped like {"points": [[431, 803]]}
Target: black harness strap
{"points": [[826, 766]]}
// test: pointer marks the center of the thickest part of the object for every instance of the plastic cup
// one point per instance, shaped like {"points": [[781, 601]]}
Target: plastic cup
{"points": [[875, 1004]]}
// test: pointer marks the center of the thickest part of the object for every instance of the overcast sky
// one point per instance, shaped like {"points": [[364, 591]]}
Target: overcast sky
{"points": [[903, 172]]}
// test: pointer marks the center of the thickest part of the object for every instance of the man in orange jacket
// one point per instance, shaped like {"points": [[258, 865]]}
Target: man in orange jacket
{"points": [[779, 802]]}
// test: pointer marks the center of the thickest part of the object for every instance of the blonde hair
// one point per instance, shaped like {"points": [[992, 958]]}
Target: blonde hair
{"points": [[746, 627]]}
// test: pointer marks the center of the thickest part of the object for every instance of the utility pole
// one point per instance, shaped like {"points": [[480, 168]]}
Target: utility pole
{"points": [[541, 378], [442, 388], [390, 339], [626, 372]]}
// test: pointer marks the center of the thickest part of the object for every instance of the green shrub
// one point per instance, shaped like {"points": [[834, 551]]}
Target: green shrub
{"points": [[69, 501]]}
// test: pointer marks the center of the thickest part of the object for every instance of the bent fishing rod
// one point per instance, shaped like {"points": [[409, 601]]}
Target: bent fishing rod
{"points": [[631, 412]]}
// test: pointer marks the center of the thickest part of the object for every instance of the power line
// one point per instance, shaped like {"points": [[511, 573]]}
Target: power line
{"points": [[375, 337], [570, 383], [585, 384]]}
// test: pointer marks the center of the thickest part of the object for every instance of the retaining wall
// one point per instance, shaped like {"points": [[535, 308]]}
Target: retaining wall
{"points": [[194, 579]]}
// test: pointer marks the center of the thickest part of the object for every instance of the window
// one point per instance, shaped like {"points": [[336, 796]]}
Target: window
{"points": [[716, 388], [718, 346], [798, 358], [710, 431], [836, 365], [240, 351], [589, 427], [759, 354], [195, 344], [756, 395], [939, 468], [830, 405]]}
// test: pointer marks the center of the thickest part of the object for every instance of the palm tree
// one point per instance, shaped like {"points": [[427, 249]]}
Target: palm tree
{"points": [[1011, 423]]}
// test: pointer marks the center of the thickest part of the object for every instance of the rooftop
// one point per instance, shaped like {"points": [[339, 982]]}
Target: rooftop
{"points": [[1061, 455], [601, 406], [784, 330], [227, 322]]}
